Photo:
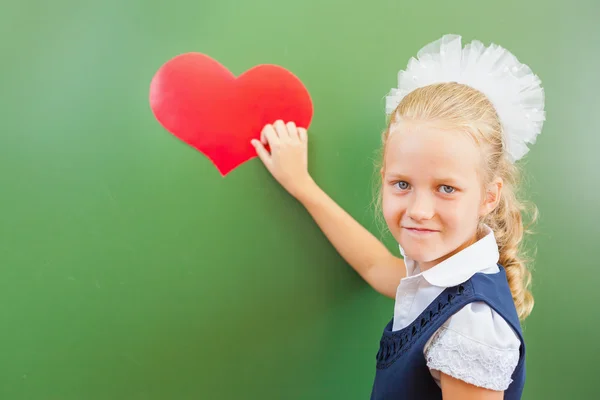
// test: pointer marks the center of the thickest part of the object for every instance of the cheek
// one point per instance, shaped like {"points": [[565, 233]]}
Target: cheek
{"points": [[392, 208], [459, 218]]}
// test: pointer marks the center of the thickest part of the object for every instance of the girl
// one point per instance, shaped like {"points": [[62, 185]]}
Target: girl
{"points": [[459, 119]]}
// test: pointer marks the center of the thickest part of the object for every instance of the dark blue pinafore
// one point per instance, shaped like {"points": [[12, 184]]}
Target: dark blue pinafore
{"points": [[401, 370]]}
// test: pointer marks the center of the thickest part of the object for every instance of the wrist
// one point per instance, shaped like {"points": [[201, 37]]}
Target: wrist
{"points": [[306, 191]]}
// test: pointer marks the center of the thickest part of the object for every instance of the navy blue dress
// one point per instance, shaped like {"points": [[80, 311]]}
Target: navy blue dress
{"points": [[401, 370]]}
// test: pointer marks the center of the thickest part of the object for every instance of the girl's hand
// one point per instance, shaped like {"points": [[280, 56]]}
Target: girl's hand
{"points": [[288, 159]]}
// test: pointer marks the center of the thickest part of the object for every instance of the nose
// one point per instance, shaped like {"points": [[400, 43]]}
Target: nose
{"points": [[421, 207]]}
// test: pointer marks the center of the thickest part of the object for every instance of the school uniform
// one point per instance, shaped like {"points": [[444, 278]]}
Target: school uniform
{"points": [[457, 317]]}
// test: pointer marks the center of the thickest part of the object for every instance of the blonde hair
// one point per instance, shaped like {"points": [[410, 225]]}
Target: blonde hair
{"points": [[465, 108]]}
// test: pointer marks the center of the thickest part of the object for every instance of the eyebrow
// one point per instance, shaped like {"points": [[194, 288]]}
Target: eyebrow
{"points": [[446, 179], [449, 180], [396, 175]]}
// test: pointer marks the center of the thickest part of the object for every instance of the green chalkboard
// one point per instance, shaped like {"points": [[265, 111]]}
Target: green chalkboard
{"points": [[130, 269]]}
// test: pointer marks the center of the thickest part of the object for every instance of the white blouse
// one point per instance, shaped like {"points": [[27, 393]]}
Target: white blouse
{"points": [[476, 344]]}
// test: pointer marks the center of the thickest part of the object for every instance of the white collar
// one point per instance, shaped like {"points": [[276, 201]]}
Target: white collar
{"points": [[460, 267]]}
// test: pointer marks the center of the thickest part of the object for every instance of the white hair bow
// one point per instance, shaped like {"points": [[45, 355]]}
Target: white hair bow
{"points": [[513, 89]]}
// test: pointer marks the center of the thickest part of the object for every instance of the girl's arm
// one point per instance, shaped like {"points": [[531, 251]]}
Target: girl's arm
{"points": [[287, 162], [455, 389]]}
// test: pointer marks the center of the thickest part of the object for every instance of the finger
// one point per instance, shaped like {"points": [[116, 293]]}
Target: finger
{"points": [[281, 129], [302, 134], [262, 153], [292, 130], [269, 135], [263, 137]]}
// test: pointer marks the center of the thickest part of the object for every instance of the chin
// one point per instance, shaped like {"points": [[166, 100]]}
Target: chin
{"points": [[422, 253]]}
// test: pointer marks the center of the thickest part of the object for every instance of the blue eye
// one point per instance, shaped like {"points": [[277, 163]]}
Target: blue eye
{"points": [[402, 185], [447, 189]]}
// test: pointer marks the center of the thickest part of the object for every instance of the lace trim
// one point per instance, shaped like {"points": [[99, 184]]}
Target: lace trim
{"points": [[394, 344], [471, 361]]}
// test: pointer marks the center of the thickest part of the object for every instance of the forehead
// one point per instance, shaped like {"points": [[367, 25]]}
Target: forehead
{"points": [[419, 148]]}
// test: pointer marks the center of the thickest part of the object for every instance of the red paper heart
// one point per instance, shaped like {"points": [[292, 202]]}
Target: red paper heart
{"points": [[203, 104]]}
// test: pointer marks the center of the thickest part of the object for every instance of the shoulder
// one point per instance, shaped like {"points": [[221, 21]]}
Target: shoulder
{"points": [[475, 345]]}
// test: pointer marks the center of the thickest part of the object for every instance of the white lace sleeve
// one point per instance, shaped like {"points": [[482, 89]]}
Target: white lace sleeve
{"points": [[475, 345]]}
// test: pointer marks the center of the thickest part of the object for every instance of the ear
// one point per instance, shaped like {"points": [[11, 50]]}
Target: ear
{"points": [[491, 196]]}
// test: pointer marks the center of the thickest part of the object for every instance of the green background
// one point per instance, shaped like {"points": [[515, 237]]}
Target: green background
{"points": [[130, 269]]}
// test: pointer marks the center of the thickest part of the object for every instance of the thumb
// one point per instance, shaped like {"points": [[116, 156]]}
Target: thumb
{"points": [[263, 154]]}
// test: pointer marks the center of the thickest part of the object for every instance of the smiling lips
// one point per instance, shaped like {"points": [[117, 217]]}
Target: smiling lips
{"points": [[420, 231]]}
